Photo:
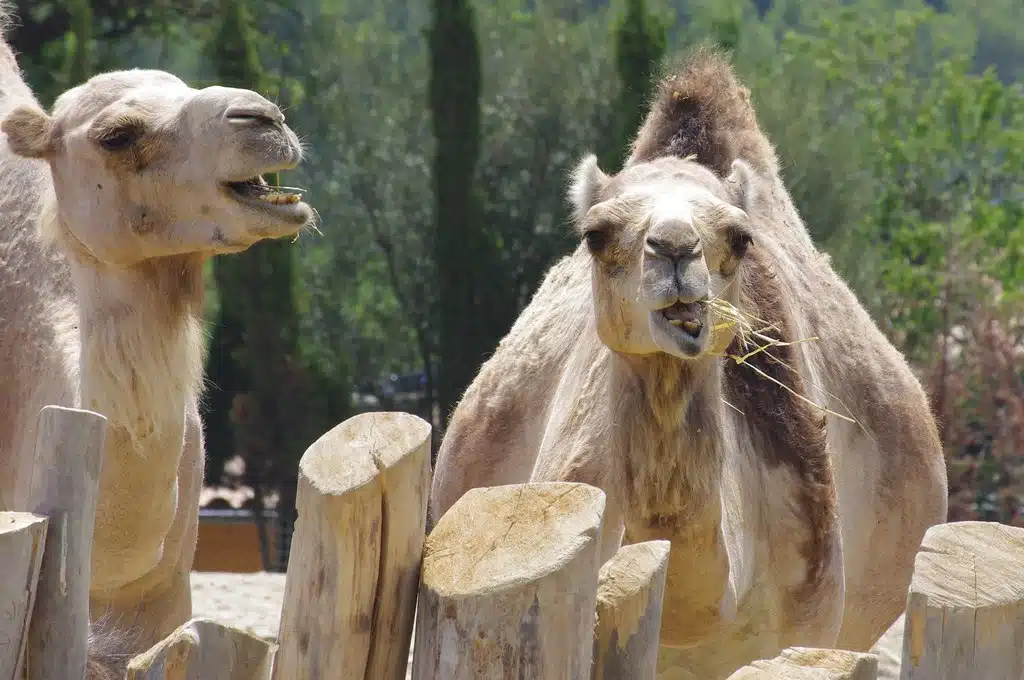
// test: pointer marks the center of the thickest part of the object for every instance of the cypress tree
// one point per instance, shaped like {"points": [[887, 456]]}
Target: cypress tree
{"points": [[257, 404], [236, 65], [461, 246], [79, 65], [640, 42]]}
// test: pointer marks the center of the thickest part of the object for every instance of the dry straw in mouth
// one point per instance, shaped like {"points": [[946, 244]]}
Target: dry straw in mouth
{"points": [[752, 332]]}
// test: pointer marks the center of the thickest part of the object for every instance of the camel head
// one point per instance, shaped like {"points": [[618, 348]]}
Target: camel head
{"points": [[665, 237], [145, 166]]}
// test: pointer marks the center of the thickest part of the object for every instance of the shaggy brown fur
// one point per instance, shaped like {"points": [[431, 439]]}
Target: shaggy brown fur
{"points": [[789, 431], [701, 110]]}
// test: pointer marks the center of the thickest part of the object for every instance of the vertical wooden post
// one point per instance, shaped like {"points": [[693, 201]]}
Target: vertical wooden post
{"points": [[965, 608], [400, 446], [203, 649], [22, 537], [630, 591], [65, 482], [509, 585], [354, 561]]}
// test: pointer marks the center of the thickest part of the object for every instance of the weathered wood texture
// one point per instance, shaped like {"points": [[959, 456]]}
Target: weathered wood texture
{"points": [[65, 482], [22, 537], [630, 590], [965, 608], [509, 585], [889, 650], [804, 663], [353, 568], [203, 649]]}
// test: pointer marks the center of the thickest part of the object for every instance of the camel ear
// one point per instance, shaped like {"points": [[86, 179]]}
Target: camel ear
{"points": [[587, 182], [29, 132], [742, 183]]}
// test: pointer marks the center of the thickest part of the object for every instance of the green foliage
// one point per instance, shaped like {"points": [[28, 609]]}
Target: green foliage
{"points": [[640, 43]]}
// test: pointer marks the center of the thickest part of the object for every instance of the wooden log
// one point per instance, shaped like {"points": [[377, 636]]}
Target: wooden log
{"points": [[965, 608], [889, 650], [203, 649], [509, 585], [65, 482], [400, 446], [22, 537], [355, 554], [630, 590], [804, 663]]}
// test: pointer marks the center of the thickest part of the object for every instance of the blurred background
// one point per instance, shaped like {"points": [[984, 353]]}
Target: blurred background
{"points": [[440, 135]]}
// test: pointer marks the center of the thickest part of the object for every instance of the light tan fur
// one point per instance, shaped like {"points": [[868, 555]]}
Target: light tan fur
{"points": [[112, 203], [788, 526]]}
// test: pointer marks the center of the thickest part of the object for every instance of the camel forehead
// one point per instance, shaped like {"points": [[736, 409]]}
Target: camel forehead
{"points": [[682, 178], [147, 90]]}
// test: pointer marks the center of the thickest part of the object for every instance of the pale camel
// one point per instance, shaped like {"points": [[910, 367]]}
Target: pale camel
{"points": [[111, 205], [788, 526]]}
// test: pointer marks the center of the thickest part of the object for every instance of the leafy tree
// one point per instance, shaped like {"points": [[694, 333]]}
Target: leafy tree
{"points": [[640, 43]]}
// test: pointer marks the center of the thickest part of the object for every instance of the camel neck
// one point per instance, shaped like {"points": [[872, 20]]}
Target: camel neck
{"points": [[672, 437], [141, 344], [141, 366]]}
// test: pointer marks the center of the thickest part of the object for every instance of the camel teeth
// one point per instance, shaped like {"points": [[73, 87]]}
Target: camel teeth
{"points": [[675, 322], [277, 198]]}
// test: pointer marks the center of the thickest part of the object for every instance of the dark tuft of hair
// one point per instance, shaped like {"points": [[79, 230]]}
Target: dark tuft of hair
{"points": [[700, 109], [111, 648]]}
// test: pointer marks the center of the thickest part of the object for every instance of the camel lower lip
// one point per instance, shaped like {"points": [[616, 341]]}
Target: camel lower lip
{"points": [[289, 210]]}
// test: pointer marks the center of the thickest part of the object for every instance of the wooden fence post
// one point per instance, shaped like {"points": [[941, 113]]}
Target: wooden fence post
{"points": [[630, 591], [509, 585], [353, 568], [806, 663], [965, 608], [22, 537], [65, 482], [203, 649]]}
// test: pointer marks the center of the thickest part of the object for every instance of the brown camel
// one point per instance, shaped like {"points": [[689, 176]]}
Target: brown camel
{"points": [[111, 205], [794, 516]]}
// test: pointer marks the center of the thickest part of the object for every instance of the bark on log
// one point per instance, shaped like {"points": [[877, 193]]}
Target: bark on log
{"points": [[804, 663], [203, 649], [65, 483], [509, 585], [630, 591], [22, 537], [965, 609], [354, 562]]}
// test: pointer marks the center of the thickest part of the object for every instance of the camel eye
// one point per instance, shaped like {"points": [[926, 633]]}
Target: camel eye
{"points": [[119, 140], [121, 136], [739, 239], [597, 240]]}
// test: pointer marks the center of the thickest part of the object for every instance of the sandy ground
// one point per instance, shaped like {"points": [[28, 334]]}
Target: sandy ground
{"points": [[251, 602]]}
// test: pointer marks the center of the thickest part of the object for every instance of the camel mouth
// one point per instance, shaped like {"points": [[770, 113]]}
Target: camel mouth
{"points": [[688, 317], [281, 202], [681, 329]]}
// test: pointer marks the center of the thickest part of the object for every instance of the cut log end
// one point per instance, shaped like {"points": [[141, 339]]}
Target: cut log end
{"points": [[804, 663], [509, 584], [965, 608], [500, 537]]}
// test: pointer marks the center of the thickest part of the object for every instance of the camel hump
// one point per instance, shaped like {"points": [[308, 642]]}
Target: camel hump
{"points": [[700, 109]]}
